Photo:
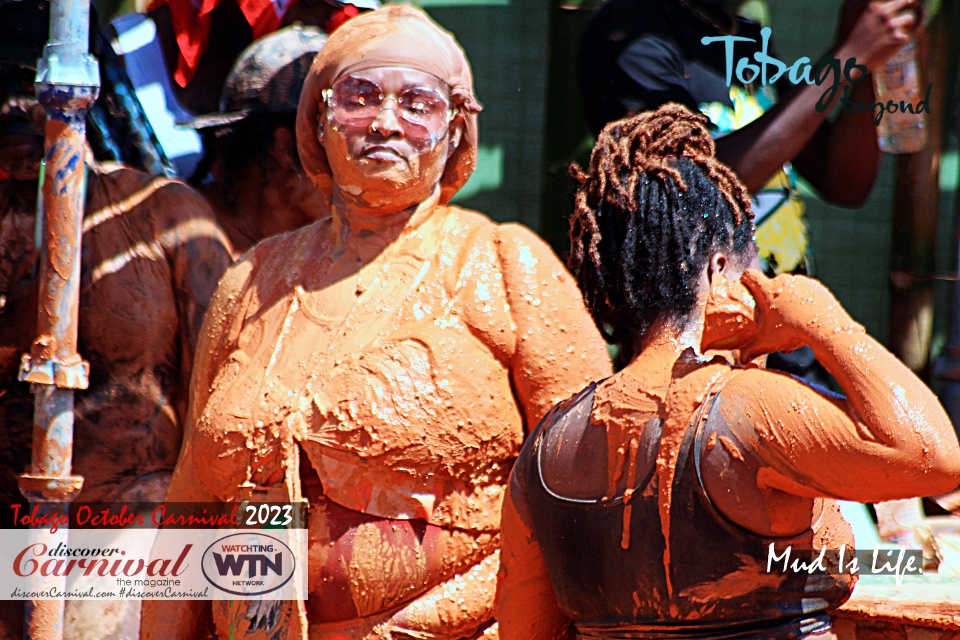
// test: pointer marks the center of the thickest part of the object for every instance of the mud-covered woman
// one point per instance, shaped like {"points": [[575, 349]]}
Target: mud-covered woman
{"points": [[384, 363], [647, 506]]}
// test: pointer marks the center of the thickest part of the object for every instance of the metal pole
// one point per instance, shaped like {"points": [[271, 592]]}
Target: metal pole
{"points": [[66, 85]]}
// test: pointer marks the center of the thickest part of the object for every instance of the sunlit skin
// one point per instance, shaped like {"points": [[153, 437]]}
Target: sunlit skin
{"points": [[151, 258], [649, 504], [405, 340], [273, 195], [381, 169], [774, 447]]}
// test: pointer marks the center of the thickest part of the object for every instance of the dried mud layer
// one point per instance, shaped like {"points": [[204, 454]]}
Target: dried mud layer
{"points": [[926, 608]]}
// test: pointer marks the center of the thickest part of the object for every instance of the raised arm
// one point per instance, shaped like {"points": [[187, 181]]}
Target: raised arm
{"points": [[526, 607], [840, 159], [888, 438], [558, 348]]}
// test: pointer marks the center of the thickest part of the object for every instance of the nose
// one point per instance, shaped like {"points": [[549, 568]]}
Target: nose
{"points": [[387, 123]]}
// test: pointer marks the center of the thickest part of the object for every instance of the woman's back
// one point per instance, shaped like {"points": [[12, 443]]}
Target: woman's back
{"points": [[747, 459], [623, 551]]}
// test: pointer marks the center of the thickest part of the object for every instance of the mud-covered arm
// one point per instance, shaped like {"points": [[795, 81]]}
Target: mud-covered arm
{"points": [[526, 606], [558, 348], [888, 438], [218, 339], [187, 620]]}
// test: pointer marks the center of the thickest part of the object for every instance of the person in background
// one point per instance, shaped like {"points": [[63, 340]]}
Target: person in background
{"points": [[638, 54], [650, 504], [152, 254], [179, 57], [259, 187]]}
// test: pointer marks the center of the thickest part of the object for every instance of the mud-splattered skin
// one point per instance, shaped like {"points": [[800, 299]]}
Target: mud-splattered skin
{"points": [[773, 450], [384, 363], [151, 259], [407, 376]]}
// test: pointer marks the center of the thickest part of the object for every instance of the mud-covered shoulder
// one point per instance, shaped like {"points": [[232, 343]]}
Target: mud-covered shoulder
{"points": [[275, 264], [128, 190]]}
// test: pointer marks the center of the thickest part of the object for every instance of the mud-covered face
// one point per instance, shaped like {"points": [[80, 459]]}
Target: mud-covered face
{"points": [[21, 124], [387, 133]]}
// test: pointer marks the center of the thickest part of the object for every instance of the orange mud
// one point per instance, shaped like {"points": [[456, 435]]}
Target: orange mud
{"points": [[468, 330], [397, 36], [890, 427], [151, 258], [385, 362], [788, 446]]}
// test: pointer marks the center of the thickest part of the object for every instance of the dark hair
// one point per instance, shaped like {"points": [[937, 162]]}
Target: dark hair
{"points": [[237, 144], [653, 207]]}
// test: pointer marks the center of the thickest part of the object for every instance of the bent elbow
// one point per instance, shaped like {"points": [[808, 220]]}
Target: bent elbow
{"points": [[944, 473]]}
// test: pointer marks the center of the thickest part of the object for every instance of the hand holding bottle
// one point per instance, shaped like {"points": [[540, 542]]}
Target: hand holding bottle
{"points": [[873, 31]]}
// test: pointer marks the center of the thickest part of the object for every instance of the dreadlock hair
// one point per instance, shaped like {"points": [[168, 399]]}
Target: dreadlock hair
{"points": [[650, 211]]}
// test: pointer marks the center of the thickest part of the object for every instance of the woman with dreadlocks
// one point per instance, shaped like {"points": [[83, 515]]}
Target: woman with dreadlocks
{"points": [[663, 501]]}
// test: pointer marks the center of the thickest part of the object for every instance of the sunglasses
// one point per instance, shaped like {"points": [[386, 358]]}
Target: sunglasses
{"points": [[357, 102]]}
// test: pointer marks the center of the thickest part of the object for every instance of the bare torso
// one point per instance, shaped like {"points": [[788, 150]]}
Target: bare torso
{"points": [[362, 565]]}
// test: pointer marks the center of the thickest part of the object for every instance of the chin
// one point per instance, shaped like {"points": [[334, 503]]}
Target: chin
{"points": [[393, 177], [395, 195], [396, 171]]}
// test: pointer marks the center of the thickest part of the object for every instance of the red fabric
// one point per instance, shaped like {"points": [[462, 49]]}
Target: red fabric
{"points": [[261, 15], [339, 17], [191, 22]]}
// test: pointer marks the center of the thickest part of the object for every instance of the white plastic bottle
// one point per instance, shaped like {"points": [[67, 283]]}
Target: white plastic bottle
{"points": [[898, 80]]}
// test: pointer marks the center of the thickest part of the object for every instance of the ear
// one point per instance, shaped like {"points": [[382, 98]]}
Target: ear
{"points": [[719, 263], [730, 265], [455, 135]]}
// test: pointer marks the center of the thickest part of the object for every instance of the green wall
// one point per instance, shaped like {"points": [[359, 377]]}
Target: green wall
{"points": [[505, 41], [852, 246]]}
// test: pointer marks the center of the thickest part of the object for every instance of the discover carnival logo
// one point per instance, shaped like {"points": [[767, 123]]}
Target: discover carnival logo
{"points": [[153, 564], [248, 564]]}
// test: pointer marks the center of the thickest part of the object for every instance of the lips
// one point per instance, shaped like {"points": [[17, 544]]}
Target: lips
{"points": [[382, 153]]}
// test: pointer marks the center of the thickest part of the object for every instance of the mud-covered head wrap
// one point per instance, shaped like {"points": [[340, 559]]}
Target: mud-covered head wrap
{"points": [[394, 36]]}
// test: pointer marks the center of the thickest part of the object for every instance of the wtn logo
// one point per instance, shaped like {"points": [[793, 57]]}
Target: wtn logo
{"points": [[233, 564], [248, 564]]}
